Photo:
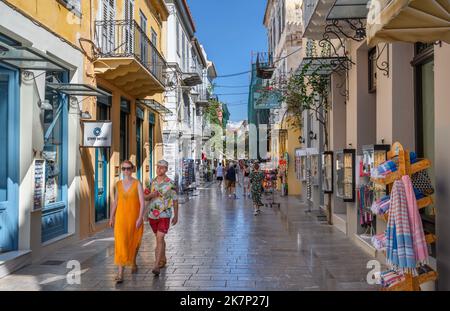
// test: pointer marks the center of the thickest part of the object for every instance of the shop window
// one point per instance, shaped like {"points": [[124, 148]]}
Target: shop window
{"points": [[424, 117], [52, 121], [372, 70]]}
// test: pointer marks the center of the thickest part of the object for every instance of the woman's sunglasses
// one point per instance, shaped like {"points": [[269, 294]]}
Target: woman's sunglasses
{"points": [[127, 168]]}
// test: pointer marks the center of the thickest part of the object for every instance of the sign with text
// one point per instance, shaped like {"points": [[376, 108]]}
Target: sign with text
{"points": [[97, 134]]}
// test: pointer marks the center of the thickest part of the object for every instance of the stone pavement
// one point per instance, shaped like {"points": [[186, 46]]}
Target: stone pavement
{"points": [[218, 244]]}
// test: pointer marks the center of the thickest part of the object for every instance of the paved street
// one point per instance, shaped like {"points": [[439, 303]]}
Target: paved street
{"points": [[218, 245]]}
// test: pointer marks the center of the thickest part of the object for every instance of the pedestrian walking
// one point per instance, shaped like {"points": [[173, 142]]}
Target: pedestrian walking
{"points": [[231, 179], [127, 220], [163, 199], [256, 178], [219, 173], [246, 185]]}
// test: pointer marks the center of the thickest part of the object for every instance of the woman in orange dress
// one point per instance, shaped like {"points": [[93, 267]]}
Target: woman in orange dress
{"points": [[127, 220]]}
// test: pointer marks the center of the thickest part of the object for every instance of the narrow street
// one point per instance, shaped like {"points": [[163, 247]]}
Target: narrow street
{"points": [[218, 245]]}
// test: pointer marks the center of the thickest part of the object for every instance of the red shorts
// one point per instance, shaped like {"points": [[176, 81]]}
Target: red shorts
{"points": [[161, 225]]}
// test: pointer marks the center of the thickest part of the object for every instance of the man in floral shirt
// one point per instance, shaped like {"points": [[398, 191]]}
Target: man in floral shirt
{"points": [[163, 203]]}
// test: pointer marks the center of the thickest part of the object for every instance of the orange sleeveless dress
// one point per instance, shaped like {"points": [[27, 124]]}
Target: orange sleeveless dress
{"points": [[127, 238]]}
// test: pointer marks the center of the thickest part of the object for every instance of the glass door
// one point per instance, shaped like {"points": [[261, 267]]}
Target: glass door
{"points": [[8, 162], [101, 171]]}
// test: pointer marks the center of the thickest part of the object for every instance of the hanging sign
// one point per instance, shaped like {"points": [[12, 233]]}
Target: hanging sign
{"points": [[97, 134]]}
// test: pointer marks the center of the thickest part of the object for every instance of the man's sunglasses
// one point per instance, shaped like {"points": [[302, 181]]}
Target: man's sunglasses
{"points": [[126, 168]]}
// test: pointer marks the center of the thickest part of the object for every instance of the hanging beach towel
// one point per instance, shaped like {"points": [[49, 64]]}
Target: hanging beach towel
{"points": [[399, 245]]}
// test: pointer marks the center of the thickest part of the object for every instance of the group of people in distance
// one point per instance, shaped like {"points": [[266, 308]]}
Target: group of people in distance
{"points": [[252, 181]]}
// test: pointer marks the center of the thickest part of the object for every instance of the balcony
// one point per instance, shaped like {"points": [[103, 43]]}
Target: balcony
{"points": [[264, 65], [127, 58], [201, 98], [194, 76]]}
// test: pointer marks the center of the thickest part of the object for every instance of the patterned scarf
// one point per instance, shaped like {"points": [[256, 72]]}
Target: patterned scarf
{"points": [[415, 223], [399, 242]]}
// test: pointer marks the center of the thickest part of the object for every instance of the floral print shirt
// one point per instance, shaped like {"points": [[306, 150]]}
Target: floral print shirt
{"points": [[161, 207]]}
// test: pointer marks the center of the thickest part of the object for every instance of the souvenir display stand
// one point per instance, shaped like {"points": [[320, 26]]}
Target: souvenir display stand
{"points": [[404, 167], [270, 186]]}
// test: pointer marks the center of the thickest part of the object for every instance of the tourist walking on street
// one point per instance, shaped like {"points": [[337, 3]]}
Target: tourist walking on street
{"points": [[219, 173], [127, 220], [231, 180], [246, 183], [164, 198], [256, 179]]}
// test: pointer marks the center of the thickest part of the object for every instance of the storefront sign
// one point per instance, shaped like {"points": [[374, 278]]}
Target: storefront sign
{"points": [[39, 184], [97, 134]]}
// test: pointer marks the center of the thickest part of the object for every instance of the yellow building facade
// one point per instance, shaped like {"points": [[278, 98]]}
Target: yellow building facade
{"points": [[121, 46], [127, 61]]}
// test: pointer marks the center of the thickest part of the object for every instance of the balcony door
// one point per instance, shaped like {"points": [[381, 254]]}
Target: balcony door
{"points": [[108, 16], [154, 39], [142, 39], [129, 26]]}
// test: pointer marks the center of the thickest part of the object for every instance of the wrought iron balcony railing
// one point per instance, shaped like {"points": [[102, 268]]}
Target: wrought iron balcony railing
{"points": [[125, 38], [264, 65]]}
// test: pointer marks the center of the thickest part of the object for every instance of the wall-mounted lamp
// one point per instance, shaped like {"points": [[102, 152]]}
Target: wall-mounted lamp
{"points": [[45, 105], [312, 135], [301, 140], [85, 115]]}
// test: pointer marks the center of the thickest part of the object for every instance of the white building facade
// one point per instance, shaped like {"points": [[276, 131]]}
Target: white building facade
{"points": [[186, 97]]}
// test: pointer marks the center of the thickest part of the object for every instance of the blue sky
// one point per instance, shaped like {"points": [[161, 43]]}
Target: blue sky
{"points": [[230, 30]]}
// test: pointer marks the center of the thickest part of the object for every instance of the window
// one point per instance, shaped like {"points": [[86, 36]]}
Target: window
{"points": [[53, 125], [178, 37], [279, 24], [274, 35], [372, 70], [183, 54], [425, 121], [144, 52], [188, 55], [124, 115], [154, 40], [4, 102], [73, 5]]}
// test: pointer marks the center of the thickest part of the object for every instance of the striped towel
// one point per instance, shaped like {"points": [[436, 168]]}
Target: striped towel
{"points": [[399, 243], [415, 223]]}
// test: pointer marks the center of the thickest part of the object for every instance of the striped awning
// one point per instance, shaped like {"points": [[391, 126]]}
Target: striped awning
{"points": [[424, 21]]}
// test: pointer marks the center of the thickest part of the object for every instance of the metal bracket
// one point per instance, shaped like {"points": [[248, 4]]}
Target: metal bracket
{"points": [[384, 66]]}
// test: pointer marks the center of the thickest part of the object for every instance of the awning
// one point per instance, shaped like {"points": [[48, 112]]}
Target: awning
{"points": [[348, 9], [28, 58], [347, 15], [77, 89], [408, 21], [324, 65], [153, 104]]}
